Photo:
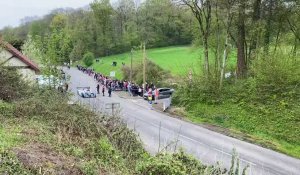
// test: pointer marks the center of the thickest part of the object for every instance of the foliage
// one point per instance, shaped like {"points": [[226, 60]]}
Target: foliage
{"points": [[177, 163], [154, 73], [107, 29], [12, 86], [10, 165], [277, 78], [78, 51], [180, 163], [88, 59], [6, 109], [31, 50]]}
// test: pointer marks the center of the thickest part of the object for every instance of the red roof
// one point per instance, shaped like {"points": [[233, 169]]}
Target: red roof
{"points": [[19, 55]]}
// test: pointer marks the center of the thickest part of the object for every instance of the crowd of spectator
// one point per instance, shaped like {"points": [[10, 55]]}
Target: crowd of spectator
{"points": [[106, 82]]}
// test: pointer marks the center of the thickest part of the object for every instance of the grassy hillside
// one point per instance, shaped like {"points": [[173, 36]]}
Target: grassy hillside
{"points": [[177, 59]]}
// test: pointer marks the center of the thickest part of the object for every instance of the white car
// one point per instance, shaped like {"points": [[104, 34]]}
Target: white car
{"points": [[85, 92], [162, 93], [49, 81]]}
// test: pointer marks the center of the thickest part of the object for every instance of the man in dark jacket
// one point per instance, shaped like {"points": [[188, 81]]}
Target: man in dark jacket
{"points": [[109, 91], [98, 88]]}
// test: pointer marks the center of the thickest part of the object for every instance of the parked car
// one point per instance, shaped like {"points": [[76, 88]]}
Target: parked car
{"points": [[49, 81], [163, 93], [85, 92]]}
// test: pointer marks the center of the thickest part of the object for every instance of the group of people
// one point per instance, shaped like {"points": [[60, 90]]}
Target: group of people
{"points": [[105, 82]]}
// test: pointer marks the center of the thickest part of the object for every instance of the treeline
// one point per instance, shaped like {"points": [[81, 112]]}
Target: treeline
{"points": [[250, 28], [104, 28]]}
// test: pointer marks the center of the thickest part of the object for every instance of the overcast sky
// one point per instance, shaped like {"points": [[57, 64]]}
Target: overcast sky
{"points": [[12, 11]]}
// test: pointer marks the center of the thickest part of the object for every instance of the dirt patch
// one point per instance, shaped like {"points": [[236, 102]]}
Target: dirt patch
{"points": [[39, 157]]}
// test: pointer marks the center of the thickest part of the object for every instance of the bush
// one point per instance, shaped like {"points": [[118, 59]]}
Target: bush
{"points": [[6, 109], [88, 59], [198, 90], [154, 73], [12, 86], [277, 77], [9, 164], [172, 164]]}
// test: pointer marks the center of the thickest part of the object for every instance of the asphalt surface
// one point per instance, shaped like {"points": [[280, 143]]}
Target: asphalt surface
{"points": [[160, 132]]}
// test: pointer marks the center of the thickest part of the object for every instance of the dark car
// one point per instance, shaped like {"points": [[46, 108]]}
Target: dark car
{"points": [[163, 93]]}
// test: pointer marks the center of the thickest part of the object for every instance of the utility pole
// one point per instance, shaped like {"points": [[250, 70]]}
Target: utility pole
{"points": [[144, 66], [131, 57]]}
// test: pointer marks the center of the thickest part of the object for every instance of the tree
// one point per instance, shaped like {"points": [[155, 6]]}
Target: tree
{"points": [[88, 59], [32, 50], [103, 12], [241, 40], [202, 11], [78, 51]]}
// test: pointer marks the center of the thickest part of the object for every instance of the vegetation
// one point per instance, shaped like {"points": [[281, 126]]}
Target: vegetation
{"points": [[262, 107], [106, 29], [88, 59]]}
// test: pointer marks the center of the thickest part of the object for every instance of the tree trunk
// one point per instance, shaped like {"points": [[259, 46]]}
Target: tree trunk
{"points": [[206, 61], [268, 26], [241, 57], [225, 55], [255, 19]]}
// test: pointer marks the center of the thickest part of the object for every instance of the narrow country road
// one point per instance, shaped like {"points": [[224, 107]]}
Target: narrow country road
{"points": [[159, 131]]}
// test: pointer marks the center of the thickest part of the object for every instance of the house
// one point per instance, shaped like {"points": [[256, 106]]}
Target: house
{"points": [[11, 57]]}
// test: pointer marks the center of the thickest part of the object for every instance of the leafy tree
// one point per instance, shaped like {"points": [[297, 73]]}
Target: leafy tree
{"points": [[31, 50], [103, 11], [88, 59], [12, 85], [202, 12]]}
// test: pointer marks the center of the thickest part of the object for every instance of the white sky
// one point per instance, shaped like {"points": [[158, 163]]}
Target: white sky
{"points": [[12, 11]]}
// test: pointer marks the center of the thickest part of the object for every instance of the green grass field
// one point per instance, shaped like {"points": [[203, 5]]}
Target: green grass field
{"points": [[177, 59]]}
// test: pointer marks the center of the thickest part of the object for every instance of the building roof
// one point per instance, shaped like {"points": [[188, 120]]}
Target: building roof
{"points": [[19, 55]]}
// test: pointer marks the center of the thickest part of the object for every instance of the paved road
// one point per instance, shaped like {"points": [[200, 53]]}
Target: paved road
{"points": [[159, 131]]}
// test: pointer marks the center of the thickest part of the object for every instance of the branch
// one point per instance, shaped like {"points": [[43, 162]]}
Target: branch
{"points": [[293, 29]]}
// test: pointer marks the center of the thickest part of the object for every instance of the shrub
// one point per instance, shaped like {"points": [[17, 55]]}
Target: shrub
{"points": [[171, 164], [12, 86], [9, 164], [88, 59], [6, 109], [154, 73], [277, 77]]}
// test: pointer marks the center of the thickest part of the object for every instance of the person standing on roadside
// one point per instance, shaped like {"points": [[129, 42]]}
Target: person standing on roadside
{"points": [[156, 94], [109, 91], [103, 89], [66, 87], [150, 97], [98, 88], [129, 88]]}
